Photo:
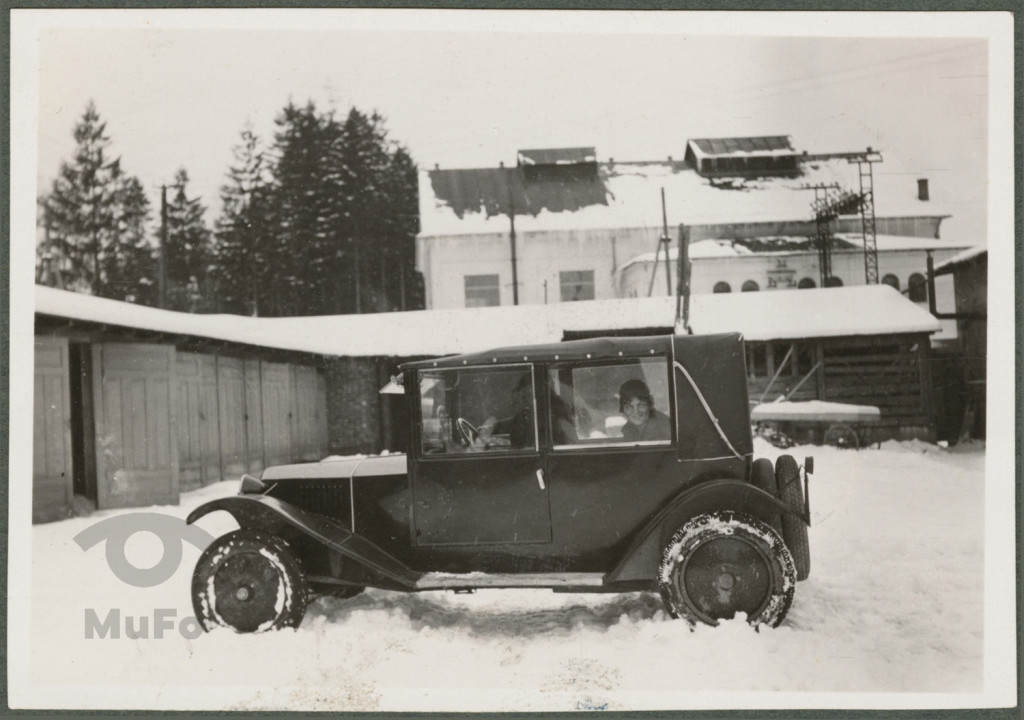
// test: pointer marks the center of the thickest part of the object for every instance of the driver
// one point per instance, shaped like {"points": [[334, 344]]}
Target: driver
{"points": [[519, 425]]}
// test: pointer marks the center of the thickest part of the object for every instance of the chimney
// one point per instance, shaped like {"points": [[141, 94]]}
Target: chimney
{"points": [[922, 189]]}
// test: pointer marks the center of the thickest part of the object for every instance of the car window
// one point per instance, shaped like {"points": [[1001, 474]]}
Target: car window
{"points": [[477, 410], [620, 403]]}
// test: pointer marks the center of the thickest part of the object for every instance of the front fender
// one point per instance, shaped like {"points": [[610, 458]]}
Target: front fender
{"points": [[642, 557], [271, 514]]}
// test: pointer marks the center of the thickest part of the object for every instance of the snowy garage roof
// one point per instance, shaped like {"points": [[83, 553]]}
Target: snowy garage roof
{"points": [[628, 195], [944, 268], [781, 314]]}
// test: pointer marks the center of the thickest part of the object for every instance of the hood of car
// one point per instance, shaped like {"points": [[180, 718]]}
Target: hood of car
{"points": [[339, 467]]}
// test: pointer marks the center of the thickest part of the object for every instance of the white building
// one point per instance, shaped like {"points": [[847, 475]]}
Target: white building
{"points": [[581, 229]]}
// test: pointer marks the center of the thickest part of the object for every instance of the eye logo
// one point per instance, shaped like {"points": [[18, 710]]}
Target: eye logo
{"points": [[172, 531]]}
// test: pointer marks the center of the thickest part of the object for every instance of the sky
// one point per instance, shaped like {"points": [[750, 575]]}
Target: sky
{"points": [[469, 89]]}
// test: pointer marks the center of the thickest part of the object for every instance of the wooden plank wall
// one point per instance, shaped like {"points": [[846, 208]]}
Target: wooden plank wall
{"points": [[51, 432], [891, 373]]}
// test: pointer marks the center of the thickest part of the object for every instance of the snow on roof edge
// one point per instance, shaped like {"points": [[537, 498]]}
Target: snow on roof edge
{"points": [[779, 314]]}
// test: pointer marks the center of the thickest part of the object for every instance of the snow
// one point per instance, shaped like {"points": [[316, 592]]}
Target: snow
{"points": [[960, 258], [814, 409], [894, 604], [780, 314], [634, 200]]}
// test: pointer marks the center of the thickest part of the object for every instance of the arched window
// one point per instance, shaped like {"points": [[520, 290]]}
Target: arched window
{"points": [[918, 288], [806, 283], [750, 286], [722, 287], [891, 279], [833, 281]]}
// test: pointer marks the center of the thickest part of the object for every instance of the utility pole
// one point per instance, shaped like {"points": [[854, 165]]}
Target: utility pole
{"points": [[161, 299], [512, 240]]}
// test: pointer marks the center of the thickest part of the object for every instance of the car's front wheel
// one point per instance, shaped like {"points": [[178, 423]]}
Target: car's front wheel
{"points": [[722, 563], [250, 581]]}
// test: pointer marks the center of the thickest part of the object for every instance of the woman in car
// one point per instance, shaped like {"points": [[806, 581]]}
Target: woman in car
{"points": [[643, 422]]}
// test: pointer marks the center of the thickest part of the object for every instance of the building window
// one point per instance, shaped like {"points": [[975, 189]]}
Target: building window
{"points": [[482, 291], [833, 281], [806, 283], [722, 287], [576, 285], [917, 288], [750, 286], [891, 279]]}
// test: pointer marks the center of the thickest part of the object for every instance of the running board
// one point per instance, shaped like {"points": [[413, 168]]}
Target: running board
{"points": [[446, 581]]}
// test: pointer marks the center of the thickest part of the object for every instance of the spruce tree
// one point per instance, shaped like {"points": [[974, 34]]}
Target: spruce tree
{"points": [[244, 253], [187, 252], [79, 213], [129, 264]]}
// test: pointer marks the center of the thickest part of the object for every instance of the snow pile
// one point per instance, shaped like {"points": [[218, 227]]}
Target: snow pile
{"points": [[894, 604]]}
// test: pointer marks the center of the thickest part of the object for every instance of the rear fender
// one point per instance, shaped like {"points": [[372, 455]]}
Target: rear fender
{"points": [[642, 558], [273, 515]]}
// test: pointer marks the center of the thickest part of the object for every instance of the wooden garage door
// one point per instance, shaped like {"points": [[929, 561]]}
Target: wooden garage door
{"points": [[51, 431], [231, 401], [277, 413], [136, 444]]}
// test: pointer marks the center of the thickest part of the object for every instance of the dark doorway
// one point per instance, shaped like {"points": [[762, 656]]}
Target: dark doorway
{"points": [[82, 424]]}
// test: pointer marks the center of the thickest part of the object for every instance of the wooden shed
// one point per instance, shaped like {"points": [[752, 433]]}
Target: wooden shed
{"points": [[128, 415]]}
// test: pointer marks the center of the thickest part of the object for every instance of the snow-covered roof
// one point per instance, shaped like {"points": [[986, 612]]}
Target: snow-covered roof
{"points": [[967, 255], [849, 242], [749, 146], [780, 314], [628, 195]]}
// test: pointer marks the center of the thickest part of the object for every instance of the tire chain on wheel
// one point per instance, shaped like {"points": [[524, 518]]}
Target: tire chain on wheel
{"points": [[702, 528], [272, 548], [794, 530]]}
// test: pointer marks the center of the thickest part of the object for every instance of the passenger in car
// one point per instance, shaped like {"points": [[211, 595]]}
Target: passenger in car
{"points": [[643, 422]]}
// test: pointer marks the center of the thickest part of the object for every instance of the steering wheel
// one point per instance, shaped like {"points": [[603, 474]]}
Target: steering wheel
{"points": [[467, 430]]}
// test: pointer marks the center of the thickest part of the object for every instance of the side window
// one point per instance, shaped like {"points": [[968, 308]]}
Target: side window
{"points": [[615, 404], [477, 410]]}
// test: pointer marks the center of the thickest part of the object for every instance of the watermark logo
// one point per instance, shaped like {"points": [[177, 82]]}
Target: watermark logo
{"points": [[173, 533]]}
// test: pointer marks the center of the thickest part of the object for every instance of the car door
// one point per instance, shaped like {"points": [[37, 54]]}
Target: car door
{"points": [[478, 475], [607, 477]]}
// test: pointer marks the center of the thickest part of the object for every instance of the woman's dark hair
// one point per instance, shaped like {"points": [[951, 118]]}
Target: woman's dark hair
{"points": [[634, 389]]}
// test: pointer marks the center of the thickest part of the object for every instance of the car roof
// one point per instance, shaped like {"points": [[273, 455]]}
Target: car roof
{"points": [[603, 348]]}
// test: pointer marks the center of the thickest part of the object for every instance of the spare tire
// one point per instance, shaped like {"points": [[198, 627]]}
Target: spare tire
{"points": [[794, 530], [762, 476]]}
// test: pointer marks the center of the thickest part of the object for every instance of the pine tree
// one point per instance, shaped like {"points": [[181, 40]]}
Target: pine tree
{"points": [[79, 213], [129, 263], [187, 252], [305, 210], [244, 253]]}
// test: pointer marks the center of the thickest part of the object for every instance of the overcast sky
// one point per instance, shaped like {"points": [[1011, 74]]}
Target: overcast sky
{"points": [[471, 88]]}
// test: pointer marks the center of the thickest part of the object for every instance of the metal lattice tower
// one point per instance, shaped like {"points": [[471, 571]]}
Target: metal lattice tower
{"points": [[823, 231], [867, 214]]}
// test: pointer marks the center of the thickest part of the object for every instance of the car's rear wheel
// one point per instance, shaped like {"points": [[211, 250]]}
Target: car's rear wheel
{"points": [[794, 530], [250, 581], [722, 563]]}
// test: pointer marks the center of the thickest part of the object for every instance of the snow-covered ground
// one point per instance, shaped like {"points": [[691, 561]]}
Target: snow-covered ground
{"points": [[894, 604]]}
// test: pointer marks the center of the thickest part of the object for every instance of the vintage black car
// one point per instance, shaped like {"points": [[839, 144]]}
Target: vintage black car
{"points": [[598, 465]]}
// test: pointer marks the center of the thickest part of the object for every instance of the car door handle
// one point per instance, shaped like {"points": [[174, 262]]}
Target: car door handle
{"points": [[540, 479]]}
